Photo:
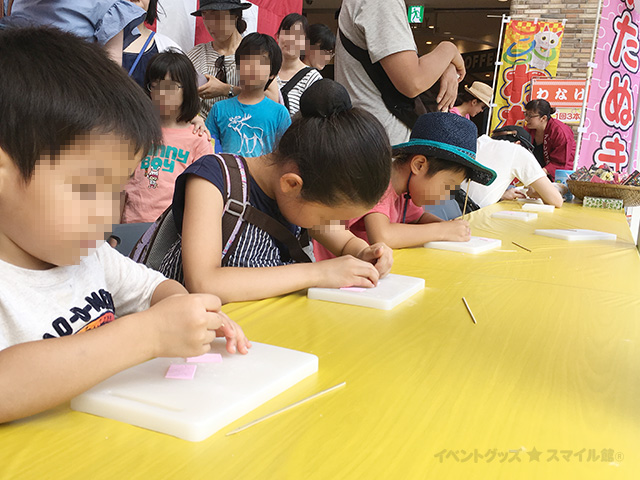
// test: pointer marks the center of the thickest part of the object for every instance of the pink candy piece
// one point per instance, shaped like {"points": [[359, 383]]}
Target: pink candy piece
{"points": [[206, 358], [181, 372], [353, 289]]}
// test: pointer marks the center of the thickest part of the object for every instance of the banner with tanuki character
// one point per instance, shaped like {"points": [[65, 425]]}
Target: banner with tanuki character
{"points": [[530, 49]]}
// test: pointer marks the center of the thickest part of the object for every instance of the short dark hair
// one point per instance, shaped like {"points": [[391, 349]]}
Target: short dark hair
{"points": [[293, 18], [342, 158], [181, 70], [321, 35], [464, 96], [541, 107], [434, 164], [257, 44], [56, 87]]}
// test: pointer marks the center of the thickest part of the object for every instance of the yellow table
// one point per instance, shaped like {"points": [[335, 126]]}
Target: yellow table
{"points": [[546, 385]]}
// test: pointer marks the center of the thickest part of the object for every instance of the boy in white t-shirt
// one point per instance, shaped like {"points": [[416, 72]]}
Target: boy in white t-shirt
{"points": [[72, 128], [510, 159]]}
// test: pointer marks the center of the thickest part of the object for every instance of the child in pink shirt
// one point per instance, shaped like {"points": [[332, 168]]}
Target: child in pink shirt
{"points": [[440, 155], [171, 81]]}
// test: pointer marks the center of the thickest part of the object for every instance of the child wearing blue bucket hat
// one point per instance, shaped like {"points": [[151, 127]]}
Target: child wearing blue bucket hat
{"points": [[440, 155]]}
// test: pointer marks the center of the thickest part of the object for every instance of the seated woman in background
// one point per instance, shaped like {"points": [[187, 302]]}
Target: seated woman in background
{"points": [[553, 141]]}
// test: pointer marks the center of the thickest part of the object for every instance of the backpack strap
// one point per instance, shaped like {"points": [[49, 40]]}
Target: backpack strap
{"points": [[277, 231], [402, 107], [292, 83], [238, 212], [151, 248], [236, 193]]}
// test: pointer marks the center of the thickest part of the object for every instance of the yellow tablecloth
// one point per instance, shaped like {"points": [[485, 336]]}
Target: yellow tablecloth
{"points": [[546, 385]]}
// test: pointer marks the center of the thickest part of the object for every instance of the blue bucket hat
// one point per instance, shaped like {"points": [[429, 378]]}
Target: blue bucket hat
{"points": [[449, 137]]}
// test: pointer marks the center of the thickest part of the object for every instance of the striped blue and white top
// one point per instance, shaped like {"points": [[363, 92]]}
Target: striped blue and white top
{"points": [[255, 248]]}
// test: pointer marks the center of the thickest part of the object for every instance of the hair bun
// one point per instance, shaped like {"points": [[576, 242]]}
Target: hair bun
{"points": [[324, 98]]}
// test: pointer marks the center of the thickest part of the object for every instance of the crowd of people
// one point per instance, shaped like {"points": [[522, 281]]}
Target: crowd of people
{"points": [[274, 178]]}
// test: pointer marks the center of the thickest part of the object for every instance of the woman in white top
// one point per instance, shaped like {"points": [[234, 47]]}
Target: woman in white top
{"points": [[294, 77]]}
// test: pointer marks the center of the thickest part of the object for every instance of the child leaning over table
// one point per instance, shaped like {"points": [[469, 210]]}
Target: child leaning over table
{"points": [[251, 124], [440, 155], [72, 128]]}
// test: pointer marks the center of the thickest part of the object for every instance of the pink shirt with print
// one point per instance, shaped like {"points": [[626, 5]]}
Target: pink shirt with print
{"points": [[150, 190], [391, 205]]}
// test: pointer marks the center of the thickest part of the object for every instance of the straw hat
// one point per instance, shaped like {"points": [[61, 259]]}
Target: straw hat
{"points": [[481, 91]]}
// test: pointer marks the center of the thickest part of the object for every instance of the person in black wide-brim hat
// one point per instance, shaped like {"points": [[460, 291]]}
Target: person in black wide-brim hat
{"points": [[219, 5], [216, 60]]}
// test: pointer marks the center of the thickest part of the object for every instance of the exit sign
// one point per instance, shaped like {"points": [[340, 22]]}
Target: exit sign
{"points": [[416, 14]]}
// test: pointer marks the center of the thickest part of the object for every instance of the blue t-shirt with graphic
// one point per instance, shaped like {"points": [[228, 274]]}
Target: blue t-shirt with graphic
{"points": [[248, 130]]}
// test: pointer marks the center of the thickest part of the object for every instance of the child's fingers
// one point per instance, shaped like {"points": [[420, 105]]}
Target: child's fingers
{"points": [[211, 303], [368, 275]]}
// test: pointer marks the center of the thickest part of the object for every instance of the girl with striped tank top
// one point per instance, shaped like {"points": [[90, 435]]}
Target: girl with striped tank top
{"points": [[331, 165]]}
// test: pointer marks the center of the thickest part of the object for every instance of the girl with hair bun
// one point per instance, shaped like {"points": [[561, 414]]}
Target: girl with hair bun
{"points": [[553, 141], [332, 164]]}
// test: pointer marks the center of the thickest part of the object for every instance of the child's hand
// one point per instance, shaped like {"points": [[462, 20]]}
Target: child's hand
{"points": [[455, 231], [236, 339], [199, 128], [512, 194], [346, 271], [184, 325], [380, 256]]}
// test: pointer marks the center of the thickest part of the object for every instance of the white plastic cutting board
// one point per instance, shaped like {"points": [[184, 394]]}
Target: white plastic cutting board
{"points": [[532, 201], [538, 207], [390, 291], [193, 410], [474, 246], [513, 215], [576, 234]]}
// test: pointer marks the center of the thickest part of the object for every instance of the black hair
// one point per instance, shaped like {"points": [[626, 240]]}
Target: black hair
{"points": [[241, 25], [181, 70], [464, 96], [56, 87], [344, 157], [321, 35], [541, 107], [152, 12], [257, 44], [434, 164], [293, 18]]}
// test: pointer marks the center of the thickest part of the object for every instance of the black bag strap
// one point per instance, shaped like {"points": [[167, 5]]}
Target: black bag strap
{"points": [[238, 212], [402, 107], [292, 83], [277, 231]]}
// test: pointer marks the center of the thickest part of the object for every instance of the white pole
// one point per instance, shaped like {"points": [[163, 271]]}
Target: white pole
{"points": [[498, 62], [590, 68]]}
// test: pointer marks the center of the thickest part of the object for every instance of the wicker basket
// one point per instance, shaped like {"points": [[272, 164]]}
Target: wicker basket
{"points": [[630, 195]]}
